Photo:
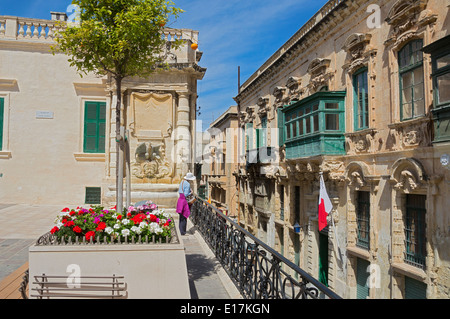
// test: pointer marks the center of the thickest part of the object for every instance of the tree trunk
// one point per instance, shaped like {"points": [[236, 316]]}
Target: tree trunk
{"points": [[119, 148]]}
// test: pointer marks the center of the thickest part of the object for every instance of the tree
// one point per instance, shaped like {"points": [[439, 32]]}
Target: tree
{"points": [[119, 38]]}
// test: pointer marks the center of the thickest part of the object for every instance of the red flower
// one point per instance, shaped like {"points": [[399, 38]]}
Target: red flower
{"points": [[72, 213], [167, 223], [119, 217], [54, 230], [138, 218], [90, 234], [153, 218], [66, 209], [100, 226], [69, 223], [77, 229], [64, 221]]}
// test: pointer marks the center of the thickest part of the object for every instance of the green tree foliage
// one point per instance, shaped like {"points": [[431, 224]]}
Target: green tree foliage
{"points": [[118, 38]]}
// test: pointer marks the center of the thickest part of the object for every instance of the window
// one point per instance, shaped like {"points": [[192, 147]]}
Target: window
{"points": [[308, 119], [441, 75], [296, 204], [440, 58], [93, 195], [362, 276], [415, 289], [249, 136], [282, 202], [363, 219], [2, 111], [410, 59], [262, 133], [415, 230], [94, 127], [361, 100]]}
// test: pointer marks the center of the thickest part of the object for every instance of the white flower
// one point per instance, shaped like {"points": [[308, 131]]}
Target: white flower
{"points": [[109, 230], [125, 221], [125, 232], [166, 215], [136, 229], [143, 224], [116, 226]]}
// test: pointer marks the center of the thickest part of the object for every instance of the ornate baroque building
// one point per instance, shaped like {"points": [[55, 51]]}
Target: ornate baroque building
{"points": [[359, 94], [57, 130]]}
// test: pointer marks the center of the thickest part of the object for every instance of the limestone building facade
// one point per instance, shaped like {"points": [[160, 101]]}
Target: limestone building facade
{"points": [[222, 161], [358, 94], [57, 130]]}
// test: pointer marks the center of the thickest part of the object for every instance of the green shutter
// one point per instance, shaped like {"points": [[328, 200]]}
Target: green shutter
{"points": [[415, 289], [362, 274], [93, 195], [94, 127], [249, 136], [2, 111]]}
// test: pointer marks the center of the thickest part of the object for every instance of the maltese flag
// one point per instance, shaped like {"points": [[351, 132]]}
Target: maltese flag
{"points": [[325, 205]]}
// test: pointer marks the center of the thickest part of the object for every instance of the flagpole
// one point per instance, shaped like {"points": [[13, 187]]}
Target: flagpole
{"points": [[335, 237]]}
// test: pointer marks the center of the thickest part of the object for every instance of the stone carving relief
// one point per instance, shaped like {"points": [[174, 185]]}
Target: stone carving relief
{"points": [[410, 134], [335, 169], [360, 142], [359, 52], [151, 162], [320, 75], [408, 175], [308, 171], [356, 175], [281, 96], [295, 90], [406, 18], [263, 106]]}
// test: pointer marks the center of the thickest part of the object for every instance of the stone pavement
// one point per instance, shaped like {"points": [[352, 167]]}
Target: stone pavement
{"points": [[21, 225]]}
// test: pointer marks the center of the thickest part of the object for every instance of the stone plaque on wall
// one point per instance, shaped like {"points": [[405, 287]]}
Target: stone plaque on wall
{"points": [[153, 114]]}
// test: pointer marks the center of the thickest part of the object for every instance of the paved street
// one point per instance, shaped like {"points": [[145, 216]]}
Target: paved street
{"points": [[21, 225]]}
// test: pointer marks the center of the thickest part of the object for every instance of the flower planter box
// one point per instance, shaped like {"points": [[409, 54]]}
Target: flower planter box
{"points": [[141, 246], [150, 271]]}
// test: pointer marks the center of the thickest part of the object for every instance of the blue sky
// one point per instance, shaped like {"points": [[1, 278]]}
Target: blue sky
{"points": [[232, 33]]}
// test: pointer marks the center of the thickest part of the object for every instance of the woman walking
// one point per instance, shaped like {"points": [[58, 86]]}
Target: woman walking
{"points": [[182, 205]]}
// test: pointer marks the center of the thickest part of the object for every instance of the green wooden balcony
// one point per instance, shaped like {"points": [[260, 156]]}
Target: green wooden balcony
{"points": [[314, 126]]}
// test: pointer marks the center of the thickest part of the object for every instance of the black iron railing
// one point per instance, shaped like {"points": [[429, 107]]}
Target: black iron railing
{"points": [[256, 269]]}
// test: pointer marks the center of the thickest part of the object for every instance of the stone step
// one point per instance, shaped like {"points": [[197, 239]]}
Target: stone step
{"points": [[164, 195]]}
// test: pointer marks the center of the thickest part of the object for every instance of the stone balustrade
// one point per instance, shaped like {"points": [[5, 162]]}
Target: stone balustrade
{"points": [[46, 30]]}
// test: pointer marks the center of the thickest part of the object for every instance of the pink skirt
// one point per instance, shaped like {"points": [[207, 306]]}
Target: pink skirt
{"points": [[183, 206]]}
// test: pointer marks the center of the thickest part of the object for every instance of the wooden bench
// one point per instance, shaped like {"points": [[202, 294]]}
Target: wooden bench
{"points": [[10, 285], [108, 287]]}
